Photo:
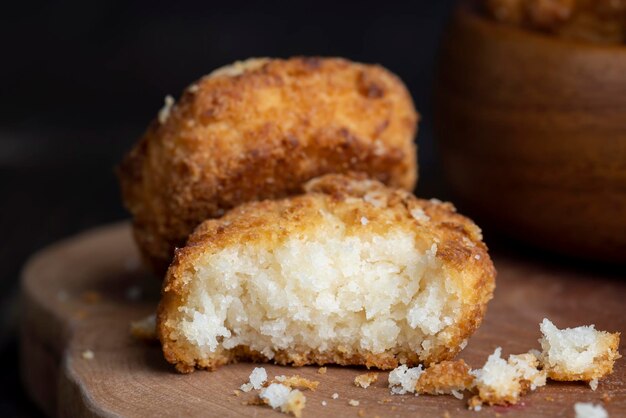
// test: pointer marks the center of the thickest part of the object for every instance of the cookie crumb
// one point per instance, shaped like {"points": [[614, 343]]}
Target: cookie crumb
{"points": [[279, 396], [335, 395], [589, 410], [88, 355], [366, 379], [353, 402], [322, 370], [296, 381]]}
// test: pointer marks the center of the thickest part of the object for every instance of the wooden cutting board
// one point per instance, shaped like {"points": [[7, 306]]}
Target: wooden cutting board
{"points": [[80, 295]]}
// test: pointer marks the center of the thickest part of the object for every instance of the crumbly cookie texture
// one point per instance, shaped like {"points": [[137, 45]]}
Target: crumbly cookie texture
{"points": [[296, 382], [279, 396], [447, 377], [581, 353], [303, 281], [365, 380], [260, 129], [503, 382], [256, 380], [589, 410], [403, 379]]}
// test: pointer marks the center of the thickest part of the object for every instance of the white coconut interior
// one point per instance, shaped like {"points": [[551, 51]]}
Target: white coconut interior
{"points": [[320, 290]]}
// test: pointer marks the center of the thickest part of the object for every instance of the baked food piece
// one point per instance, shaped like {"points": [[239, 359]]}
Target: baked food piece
{"points": [[258, 130], [581, 353], [352, 273], [589, 410], [287, 400], [503, 382], [365, 380], [587, 20], [447, 377]]}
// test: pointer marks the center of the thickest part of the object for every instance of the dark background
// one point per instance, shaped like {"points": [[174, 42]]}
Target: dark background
{"points": [[79, 82]]}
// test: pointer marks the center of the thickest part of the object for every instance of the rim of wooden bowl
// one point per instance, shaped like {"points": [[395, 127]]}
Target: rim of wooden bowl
{"points": [[467, 11]]}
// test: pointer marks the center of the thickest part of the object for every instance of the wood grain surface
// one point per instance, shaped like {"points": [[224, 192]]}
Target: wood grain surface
{"points": [[532, 132], [80, 295]]}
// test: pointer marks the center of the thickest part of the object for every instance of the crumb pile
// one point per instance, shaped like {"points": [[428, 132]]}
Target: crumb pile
{"points": [[576, 354], [282, 393], [502, 382], [304, 281]]}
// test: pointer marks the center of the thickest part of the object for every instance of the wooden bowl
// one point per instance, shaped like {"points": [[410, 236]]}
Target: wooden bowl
{"points": [[532, 134]]}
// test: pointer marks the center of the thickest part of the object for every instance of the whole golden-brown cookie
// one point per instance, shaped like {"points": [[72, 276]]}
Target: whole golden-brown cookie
{"points": [[259, 129], [351, 273]]}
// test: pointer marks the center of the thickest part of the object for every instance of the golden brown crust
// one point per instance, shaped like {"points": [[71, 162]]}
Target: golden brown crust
{"points": [[258, 130], [297, 382], [445, 377], [460, 249], [602, 365], [365, 380]]}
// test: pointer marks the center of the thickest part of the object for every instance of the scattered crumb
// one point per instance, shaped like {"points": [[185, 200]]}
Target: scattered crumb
{"points": [[474, 404], [279, 396], [353, 402], [246, 387], [258, 377], [446, 414], [593, 384], [144, 329], [549, 398], [335, 395], [580, 353], [164, 113], [447, 377], [384, 401], [91, 296], [589, 410], [296, 381], [361, 412], [236, 392], [502, 382], [393, 407], [88, 355], [256, 380], [324, 403], [403, 379], [606, 398], [365, 380], [322, 370], [134, 293]]}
